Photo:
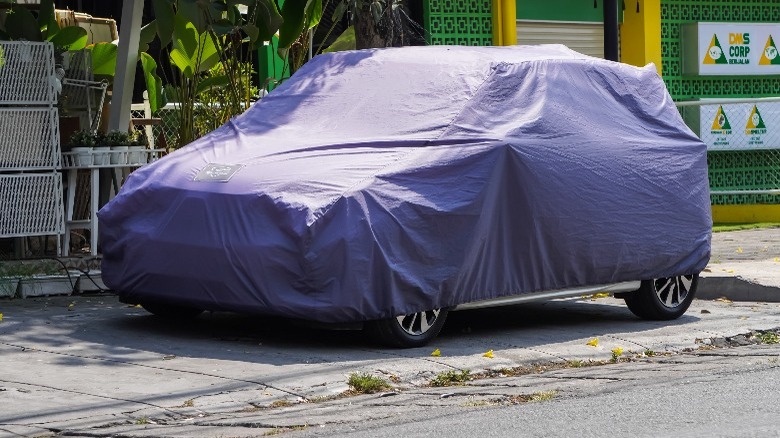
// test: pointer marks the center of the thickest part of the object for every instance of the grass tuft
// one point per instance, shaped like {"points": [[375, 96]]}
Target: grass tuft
{"points": [[768, 337], [364, 383], [450, 378]]}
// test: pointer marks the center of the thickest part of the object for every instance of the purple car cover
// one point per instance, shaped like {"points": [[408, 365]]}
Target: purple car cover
{"points": [[384, 182]]}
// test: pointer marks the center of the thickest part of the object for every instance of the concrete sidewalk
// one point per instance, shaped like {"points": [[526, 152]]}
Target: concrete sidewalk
{"points": [[744, 266]]}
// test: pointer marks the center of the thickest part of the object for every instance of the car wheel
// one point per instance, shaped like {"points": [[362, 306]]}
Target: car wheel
{"points": [[413, 330], [663, 298], [171, 311]]}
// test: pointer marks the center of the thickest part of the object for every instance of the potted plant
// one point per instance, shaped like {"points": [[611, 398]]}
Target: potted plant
{"points": [[81, 144], [137, 148], [33, 278], [9, 281], [118, 141], [101, 152]]}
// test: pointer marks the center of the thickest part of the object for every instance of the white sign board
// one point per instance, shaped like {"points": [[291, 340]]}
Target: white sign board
{"points": [[740, 126], [731, 49]]}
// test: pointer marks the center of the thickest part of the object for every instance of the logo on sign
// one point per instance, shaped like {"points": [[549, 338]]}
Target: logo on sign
{"points": [[770, 55], [721, 123], [755, 124], [715, 54]]}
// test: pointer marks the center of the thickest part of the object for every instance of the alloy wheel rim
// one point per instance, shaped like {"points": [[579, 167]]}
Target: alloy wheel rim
{"points": [[417, 324], [673, 291]]}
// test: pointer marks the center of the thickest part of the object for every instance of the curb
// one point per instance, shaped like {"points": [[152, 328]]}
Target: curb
{"points": [[736, 289]]}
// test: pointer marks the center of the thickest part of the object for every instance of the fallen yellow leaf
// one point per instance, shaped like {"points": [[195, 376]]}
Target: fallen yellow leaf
{"points": [[1, 316], [70, 306], [777, 259], [593, 342], [617, 351], [436, 353], [739, 250], [488, 354], [723, 300]]}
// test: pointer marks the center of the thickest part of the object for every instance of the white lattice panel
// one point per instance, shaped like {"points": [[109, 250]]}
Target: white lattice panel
{"points": [[31, 205], [27, 73], [29, 139]]}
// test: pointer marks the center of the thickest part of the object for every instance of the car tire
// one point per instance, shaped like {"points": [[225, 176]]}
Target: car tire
{"points": [[171, 311], [663, 298], [408, 331]]}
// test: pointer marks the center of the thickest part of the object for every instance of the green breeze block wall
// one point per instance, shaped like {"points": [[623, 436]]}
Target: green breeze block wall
{"points": [[728, 170], [458, 22]]}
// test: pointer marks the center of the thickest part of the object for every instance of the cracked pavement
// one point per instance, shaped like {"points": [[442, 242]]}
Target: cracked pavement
{"points": [[91, 366]]}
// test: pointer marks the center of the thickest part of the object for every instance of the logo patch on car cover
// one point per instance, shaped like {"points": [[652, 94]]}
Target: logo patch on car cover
{"points": [[214, 172]]}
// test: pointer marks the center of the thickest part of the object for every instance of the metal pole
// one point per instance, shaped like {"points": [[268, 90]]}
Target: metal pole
{"points": [[611, 30], [127, 57]]}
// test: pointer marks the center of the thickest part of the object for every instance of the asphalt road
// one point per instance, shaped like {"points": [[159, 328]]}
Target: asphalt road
{"points": [[733, 393]]}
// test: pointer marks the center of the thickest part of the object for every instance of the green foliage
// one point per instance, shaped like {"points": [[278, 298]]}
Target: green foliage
{"points": [[104, 59], [365, 383], [208, 48], [450, 378], [153, 82], [116, 138], [22, 24], [299, 16], [345, 41], [70, 38], [83, 138], [267, 20], [768, 337], [211, 113]]}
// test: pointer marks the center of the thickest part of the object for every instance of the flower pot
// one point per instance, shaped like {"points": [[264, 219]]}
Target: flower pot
{"points": [[119, 154], [101, 155], [137, 155], [43, 285], [8, 286], [82, 156]]}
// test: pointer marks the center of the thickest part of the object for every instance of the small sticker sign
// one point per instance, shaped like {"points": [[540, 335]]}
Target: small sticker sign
{"points": [[214, 172]]}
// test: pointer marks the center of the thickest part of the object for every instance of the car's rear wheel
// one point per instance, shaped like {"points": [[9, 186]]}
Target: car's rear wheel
{"points": [[171, 311], [663, 298], [413, 330]]}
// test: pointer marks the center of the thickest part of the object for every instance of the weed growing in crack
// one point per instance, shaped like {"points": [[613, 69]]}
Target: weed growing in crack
{"points": [[616, 353], [532, 398], [280, 430], [768, 337], [543, 396], [142, 421], [450, 378], [280, 404], [364, 383]]}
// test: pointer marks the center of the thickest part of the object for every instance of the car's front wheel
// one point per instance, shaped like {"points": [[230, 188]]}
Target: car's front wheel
{"points": [[663, 298], [413, 330]]}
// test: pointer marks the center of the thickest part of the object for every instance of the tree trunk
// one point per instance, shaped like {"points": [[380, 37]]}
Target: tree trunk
{"points": [[388, 32]]}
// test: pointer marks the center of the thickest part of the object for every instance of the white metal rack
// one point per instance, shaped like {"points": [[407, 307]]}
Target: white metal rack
{"points": [[30, 181], [118, 161]]}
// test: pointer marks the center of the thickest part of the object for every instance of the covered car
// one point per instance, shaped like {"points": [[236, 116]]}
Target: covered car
{"points": [[387, 186]]}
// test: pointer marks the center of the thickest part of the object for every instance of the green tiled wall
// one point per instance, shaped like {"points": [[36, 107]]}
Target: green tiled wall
{"points": [[728, 170], [458, 22]]}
